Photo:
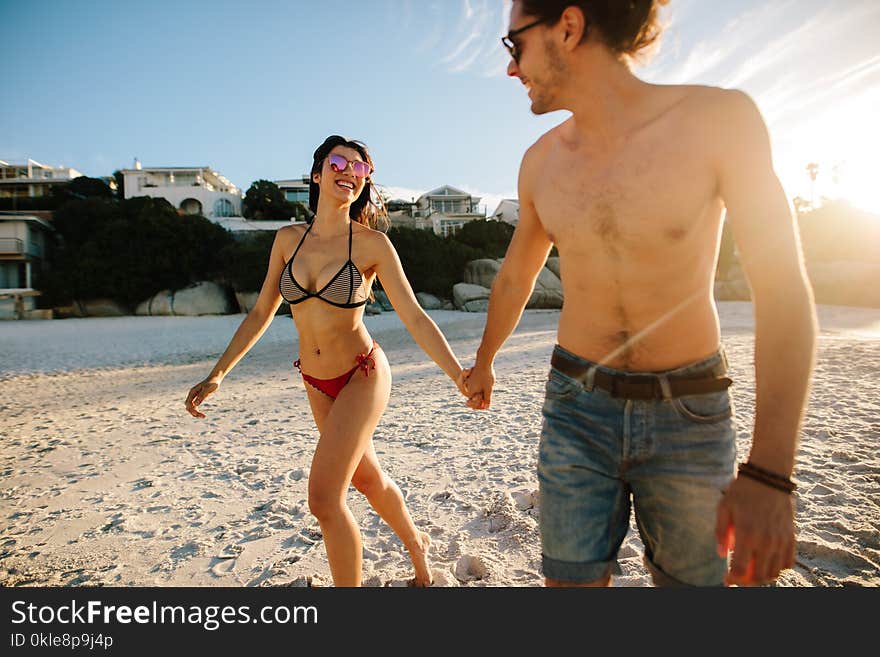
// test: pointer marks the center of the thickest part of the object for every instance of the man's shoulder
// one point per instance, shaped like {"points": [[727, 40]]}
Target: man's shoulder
{"points": [[542, 146], [710, 102]]}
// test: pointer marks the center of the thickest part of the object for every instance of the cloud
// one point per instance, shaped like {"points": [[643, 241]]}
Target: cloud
{"points": [[706, 56], [476, 38]]}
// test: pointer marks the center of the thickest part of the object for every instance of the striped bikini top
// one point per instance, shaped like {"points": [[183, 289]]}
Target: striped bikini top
{"points": [[340, 291]]}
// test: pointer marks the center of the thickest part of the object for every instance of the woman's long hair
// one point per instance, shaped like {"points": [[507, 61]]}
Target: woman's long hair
{"points": [[365, 210]]}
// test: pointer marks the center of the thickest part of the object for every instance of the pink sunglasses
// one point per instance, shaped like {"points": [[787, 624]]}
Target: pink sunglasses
{"points": [[358, 168]]}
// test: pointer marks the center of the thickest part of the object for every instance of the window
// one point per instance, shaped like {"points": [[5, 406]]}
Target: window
{"points": [[223, 208], [297, 195]]}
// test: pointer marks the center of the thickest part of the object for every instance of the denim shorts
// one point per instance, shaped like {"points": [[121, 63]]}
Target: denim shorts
{"points": [[669, 458]]}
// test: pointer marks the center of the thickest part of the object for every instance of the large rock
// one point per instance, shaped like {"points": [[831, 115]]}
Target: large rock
{"points": [[548, 287], [429, 301], [205, 298], [101, 308], [481, 272], [470, 298], [382, 300], [246, 301], [553, 265], [547, 292], [846, 283], [733, 290], [158, 304]]}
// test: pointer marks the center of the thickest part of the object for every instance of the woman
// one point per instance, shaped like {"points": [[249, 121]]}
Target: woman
{"points": [[346, 373]]}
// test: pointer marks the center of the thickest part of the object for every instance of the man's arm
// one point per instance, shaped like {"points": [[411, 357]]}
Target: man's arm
{"points": [[512, 286], [761, 517]]}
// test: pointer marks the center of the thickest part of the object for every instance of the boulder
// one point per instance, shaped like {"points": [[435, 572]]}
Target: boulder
{"points": [[382, 300], [101, 308], [246, 301], [159, 304], [547, 292], [476, 306], [734, 290], [467, 297], [553, 265], [846, 283], [429, 301], [205, 298], [548, 287], [481, 272]]}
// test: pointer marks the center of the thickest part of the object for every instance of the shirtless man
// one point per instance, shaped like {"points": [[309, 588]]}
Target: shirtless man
{"points": [[632, 189]]}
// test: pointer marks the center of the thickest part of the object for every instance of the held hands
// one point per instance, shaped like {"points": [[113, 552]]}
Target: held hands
{"points": [[480, 381], [757, 523], [199, 393], [461, 382]]}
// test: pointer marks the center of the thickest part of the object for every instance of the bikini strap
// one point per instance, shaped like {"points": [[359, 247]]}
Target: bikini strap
{"points": [[301, 240], [350, 222]]}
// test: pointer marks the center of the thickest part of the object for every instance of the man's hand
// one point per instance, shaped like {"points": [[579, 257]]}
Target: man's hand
{"points": [[480, 382], [462, 383], [757, 523]]}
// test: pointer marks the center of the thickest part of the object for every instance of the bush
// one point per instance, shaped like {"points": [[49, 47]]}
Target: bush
{"points": [[247, 260], [431, 263], [491, 238], [127, 251]]}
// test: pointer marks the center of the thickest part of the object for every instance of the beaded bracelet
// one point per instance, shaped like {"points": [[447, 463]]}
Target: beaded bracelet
{"points": [[767, 478]]}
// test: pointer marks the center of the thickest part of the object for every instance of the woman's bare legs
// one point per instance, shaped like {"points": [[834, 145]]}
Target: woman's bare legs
{"points": [[387, 500], [345, 455]]}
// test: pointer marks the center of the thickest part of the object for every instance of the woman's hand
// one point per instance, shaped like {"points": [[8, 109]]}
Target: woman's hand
{"points": [[461, 381], [199, 393]]}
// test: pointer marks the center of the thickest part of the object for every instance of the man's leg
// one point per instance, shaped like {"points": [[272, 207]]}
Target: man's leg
{"points": [[584, 506], [676, 490]]}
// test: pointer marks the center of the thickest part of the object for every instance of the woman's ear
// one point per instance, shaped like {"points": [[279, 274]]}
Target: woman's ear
{"points": [[316, 178]]}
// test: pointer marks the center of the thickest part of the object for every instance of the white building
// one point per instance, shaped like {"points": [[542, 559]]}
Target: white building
{"points": [[507, 210], [295, 190], [193, 190], [32, 179], [22, 251], [444, 210]]}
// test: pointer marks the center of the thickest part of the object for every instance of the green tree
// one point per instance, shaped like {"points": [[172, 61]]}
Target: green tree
{"points": [[129, 250], [247, 261], [120, 184], [431, 263], [490, 237], [264, 200], [81, 188]]}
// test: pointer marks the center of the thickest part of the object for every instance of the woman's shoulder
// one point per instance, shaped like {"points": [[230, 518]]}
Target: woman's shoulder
{"points": [[370, 236]]}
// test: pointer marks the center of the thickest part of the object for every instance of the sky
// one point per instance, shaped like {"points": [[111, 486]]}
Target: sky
{"points": [[251, 88]]}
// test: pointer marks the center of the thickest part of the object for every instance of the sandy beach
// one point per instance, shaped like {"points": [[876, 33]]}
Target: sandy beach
{"points": [[107, 481]]}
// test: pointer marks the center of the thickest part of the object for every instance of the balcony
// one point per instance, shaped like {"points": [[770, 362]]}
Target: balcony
{"points": [[11, 246]]}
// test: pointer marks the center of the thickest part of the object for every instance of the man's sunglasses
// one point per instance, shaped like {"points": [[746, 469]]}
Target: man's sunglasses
{"points": [[511, 46], [359, 168]]}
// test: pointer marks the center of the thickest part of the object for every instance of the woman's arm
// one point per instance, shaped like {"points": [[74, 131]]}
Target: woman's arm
{"points": [[249, 331], [417, 322]]}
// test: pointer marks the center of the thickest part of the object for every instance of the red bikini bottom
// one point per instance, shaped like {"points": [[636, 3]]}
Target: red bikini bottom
{"points": [[332, 387]]}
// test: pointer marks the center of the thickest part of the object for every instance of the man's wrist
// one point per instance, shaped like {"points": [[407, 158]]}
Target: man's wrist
{"points": [[768, 478], [484, 360]]}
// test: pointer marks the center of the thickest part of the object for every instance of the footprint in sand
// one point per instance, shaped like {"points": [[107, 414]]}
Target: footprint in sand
{"points": [[470, 567], [224, 561]]}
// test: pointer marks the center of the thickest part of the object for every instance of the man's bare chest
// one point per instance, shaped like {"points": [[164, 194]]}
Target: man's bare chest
{"points": [[637, 199]]}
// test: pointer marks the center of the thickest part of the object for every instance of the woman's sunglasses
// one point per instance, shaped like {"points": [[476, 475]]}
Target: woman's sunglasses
{"points": [[358, 168]]}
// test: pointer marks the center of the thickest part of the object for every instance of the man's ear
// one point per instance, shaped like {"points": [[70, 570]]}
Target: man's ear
{"points": [[575, 24]]}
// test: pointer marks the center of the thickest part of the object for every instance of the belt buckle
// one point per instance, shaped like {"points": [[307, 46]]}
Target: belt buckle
{"points": [[636, 386]]}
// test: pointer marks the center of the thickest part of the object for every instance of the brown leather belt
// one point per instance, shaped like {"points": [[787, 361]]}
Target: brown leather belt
{"points": [[642, 386]]}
